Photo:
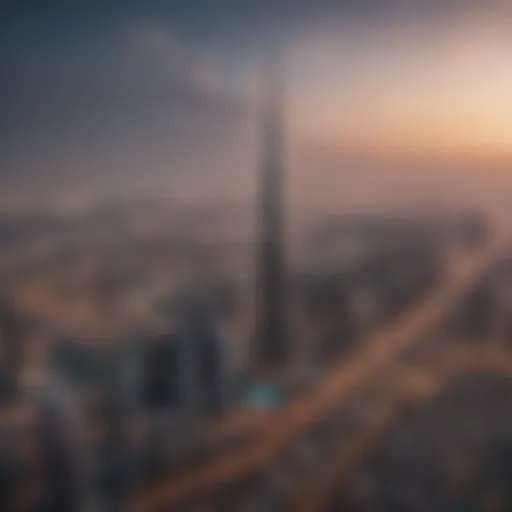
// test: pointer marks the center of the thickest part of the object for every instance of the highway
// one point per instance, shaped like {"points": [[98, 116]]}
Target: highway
{"points": [[416, 386], [280, 429]]}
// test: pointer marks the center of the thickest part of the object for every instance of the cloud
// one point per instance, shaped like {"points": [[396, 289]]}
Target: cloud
{"points": [[141, 70], [142, 100]]}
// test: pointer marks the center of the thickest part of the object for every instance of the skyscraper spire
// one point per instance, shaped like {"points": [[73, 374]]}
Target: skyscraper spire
{"points": [[272, 343]]}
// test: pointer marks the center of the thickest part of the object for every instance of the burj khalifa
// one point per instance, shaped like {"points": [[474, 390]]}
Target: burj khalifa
{"points": [[272, 344]]}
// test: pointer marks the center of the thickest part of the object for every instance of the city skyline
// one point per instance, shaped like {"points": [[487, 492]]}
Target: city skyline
{"points": [[255, 255]]}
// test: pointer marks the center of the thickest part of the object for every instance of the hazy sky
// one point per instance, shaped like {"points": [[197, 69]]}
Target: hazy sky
{"points": [[389, 100]]}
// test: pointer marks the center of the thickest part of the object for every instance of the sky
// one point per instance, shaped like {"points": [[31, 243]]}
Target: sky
{"points": [[388, 101]]}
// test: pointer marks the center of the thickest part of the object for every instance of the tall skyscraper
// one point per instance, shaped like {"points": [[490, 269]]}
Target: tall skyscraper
{"points": [[205, 353], [272, 348]]}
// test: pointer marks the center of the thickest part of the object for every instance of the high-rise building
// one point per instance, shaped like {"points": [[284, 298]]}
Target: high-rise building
{"points": [[11, 349], [204, 356], [212, 371], [122, 386], [191, 363], [114, 456], [272, 348], [161, 385], [62, 458]]}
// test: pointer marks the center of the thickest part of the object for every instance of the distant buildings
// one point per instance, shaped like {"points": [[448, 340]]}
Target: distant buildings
{"points": [[474, 318], [472, 230], [329, 314]]}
